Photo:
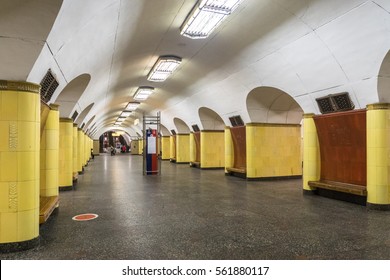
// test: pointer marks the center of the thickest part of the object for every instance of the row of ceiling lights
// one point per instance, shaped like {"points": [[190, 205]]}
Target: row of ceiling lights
{"points": [[204, 17]]}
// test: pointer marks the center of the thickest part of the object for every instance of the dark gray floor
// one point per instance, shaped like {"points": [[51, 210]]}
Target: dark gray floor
{"points": [[188, 213]]}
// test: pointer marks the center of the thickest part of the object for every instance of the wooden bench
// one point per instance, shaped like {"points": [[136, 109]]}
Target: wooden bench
{"points": [[47, 204], [195, 164], [339, 187], [241, 170]]}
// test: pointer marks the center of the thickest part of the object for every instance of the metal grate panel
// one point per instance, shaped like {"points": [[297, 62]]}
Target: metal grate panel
{"points": [[335, 103], [343, 102], [195, 127], [236, 121], [48, 86]]}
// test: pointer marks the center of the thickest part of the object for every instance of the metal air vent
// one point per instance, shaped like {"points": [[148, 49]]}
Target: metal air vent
{"points": [[236, 121], [195, 127], [48, 86], [335, 103], [74, 116]]}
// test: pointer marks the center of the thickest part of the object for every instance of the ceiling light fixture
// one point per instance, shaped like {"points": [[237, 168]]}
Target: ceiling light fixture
{"points": [[142, 93], [205, 16], [164, 67], [125, 114], [132, 106]]}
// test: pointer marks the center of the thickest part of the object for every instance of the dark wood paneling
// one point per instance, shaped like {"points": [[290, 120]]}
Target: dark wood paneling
{"points": [[239, 142], [342, 139], [197, 146]]}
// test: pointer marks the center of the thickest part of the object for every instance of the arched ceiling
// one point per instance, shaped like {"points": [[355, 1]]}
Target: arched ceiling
{"points": [[70, 95], [307, 48], [210, 119], [181, 126], [24, 27], [271, 105]]}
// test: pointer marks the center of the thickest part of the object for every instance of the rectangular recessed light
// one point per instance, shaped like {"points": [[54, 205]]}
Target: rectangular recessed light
{"points": [[205, 16], [164, 67], [142, 93], [125, 114], [132, 106]]}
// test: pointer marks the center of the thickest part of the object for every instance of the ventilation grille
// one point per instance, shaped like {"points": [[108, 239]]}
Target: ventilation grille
{"points": [[48, 86], [335, 103], [173, 132], [195, 127], [236, 121], [74, 116]]}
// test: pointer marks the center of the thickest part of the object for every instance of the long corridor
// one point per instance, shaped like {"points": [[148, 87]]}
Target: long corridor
{"points": [[187, 213]]}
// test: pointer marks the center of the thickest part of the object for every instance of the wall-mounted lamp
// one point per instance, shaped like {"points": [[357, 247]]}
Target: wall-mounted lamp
{"points": [[164, 67], [205, 16]]}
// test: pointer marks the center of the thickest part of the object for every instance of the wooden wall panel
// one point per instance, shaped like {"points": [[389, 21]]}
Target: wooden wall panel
{"points": [[197, 146], [239, 143], [342, 139]]}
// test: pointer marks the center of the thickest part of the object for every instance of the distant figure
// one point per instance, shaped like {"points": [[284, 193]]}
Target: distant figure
{"points": [[92, 155], [112, 149], [123, 149]]}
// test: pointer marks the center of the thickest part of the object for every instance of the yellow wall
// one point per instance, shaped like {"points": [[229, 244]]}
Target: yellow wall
{"points": [[212, 149], [273, 150], [19, 162], [165, 147], [378, 151], [80, 150], [75, 152], [96, 147], [137, 147], [182, 148], [140, 146], [49, 154], [172, 147], [65, 161], [311, 152], [229, 149]]}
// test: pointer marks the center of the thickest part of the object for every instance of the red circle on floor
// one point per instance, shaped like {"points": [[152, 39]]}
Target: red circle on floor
{"points": [[85, 217]]}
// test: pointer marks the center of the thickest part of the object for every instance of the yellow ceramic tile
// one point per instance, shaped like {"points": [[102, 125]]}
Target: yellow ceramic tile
{"points": [[9, 106], [27, 136], [382, 195], [26, 166], [8, 227], [382, 177], [9, 167], [4, 193], [52, 139], [26, 196], [27, 106], [4, 136], [26, 225]]}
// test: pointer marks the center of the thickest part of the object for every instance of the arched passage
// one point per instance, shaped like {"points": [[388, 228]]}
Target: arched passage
{"points": [[80, 119], [272, 105], [210, 119], [384, 80], [71, 94], [180, 147], [207, 147], [164, 130], [89, 122], [269, 146], [181, 126]]}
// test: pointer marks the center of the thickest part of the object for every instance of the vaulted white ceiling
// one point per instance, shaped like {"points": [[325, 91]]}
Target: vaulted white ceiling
{"points": [[303, 48]]}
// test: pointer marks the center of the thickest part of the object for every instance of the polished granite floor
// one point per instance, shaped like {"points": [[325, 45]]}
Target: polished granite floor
{"points": [[187, 213]]}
